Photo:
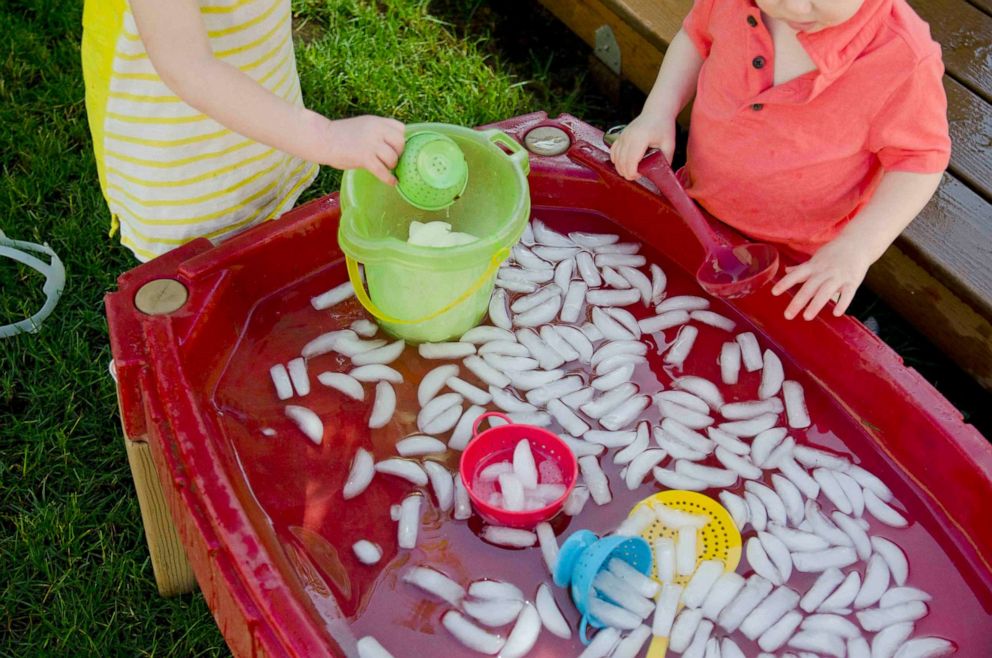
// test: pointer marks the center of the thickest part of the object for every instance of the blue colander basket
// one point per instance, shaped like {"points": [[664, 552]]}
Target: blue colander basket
{"points": [[583, 555]]}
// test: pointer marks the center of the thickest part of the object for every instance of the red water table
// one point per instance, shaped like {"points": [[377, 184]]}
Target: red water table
{"points": [[261, 518]]}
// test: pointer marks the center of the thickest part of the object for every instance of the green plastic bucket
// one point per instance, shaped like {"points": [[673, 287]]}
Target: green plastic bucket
{"points": [[430, 294]]}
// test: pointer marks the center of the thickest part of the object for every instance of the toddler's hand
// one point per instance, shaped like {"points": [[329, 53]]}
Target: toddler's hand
{"points": [[366, 142], [643, 133], [834, 272]]}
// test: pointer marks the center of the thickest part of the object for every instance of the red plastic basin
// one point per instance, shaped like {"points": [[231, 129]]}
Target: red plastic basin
{"points": [[262, 519], [497, 444]]}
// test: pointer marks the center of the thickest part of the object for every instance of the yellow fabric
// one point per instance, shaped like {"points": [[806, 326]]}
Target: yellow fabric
{"points": [[168, 172], [101, 24]]}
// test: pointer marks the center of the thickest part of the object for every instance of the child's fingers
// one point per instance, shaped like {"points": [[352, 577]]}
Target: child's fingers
{"points": [[615, 151], [387, 156], [631, 159], [381, 171], [390, 127], [622, 156], [846, 297], [826, 291], [802, 297], [396, 139], [793, 275], [623, 160]]}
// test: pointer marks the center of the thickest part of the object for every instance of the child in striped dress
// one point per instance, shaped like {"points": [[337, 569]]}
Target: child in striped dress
{"points": [[198, 124]]}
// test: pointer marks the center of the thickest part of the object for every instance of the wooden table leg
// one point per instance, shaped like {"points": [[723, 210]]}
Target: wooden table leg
{"points": [[173, 574]]}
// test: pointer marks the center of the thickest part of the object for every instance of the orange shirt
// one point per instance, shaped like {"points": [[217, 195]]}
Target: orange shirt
{"points": [[793, 163]]}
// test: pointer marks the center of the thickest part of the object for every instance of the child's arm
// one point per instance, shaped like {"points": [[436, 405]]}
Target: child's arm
{"points": [[179, 48], [655, 126], [839, 267]]}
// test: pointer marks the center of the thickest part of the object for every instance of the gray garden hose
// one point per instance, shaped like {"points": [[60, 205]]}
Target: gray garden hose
{"points": [[54, 281]]}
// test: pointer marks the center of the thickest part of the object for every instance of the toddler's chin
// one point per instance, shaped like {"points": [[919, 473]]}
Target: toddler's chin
{"points": [[809, 28]]}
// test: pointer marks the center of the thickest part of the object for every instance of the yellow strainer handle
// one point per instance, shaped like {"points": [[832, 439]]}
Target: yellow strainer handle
{"points": [[366, 301], [658, 647]]}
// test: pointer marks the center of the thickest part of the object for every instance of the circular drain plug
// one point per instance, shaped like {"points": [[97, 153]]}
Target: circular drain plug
{"points": [[161, 297], [547, 140]]}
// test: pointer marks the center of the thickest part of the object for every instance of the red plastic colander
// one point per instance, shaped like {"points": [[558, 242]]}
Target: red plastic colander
{"points": [[496, 444]]}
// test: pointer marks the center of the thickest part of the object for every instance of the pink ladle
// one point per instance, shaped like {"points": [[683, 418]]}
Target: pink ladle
{"points": [[727, 270]]}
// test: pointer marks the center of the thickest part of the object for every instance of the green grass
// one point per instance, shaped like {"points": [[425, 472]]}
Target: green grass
{"points": [[402, 59], [76, 576]]}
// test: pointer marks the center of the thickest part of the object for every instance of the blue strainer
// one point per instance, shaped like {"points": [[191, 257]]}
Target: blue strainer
{"points": [[584, 555]]}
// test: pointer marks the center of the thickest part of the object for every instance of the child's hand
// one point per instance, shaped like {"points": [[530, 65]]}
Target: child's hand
{"points": [[644, 132], [366, 142], [833, 273]]}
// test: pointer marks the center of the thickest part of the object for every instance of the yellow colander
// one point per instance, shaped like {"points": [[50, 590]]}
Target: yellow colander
{"points": [[717, 540]]}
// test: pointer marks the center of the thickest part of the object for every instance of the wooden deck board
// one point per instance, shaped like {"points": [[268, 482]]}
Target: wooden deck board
{"points": [[954, 235], [951, 324], [971, 137], [657, 20], [984, 5], [641, 58], [965, 35]]}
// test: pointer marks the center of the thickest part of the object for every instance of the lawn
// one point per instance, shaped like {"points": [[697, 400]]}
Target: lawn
{"points": [[76, 576]]}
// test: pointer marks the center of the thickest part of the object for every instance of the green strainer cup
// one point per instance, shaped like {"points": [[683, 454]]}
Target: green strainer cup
{"points": [[430, 294], [432, 171]]}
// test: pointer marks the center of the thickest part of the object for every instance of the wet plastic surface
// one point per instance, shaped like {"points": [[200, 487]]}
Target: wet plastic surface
{"points": [[266, 528]]}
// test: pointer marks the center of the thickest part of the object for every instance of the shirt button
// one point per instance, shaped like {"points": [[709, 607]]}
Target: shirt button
{"points": [[758, 62], [752, 21], [757, 106]]}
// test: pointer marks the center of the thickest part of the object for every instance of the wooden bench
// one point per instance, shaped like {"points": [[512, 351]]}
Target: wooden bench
{"points": [[938, 274]]}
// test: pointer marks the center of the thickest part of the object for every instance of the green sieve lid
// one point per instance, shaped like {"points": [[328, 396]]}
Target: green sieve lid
{"points": [[432, 171]]}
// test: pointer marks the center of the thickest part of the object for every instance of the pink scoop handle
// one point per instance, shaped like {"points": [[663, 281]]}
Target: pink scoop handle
{"points": [[656, 169], [728, 269]]}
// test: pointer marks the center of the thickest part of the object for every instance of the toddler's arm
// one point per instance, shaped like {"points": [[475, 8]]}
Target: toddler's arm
{"points": [[839, 267], [655, 126], [179, 48]]}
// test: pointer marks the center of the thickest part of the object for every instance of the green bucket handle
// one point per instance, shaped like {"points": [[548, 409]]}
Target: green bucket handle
{"points": [[518, 155], [366, 301]]}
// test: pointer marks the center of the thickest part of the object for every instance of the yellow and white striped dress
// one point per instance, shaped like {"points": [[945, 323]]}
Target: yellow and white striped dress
{"points": [[168, 172]]}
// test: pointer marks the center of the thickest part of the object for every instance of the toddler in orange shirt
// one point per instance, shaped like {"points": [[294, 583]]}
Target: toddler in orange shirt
{"points": [[820, 125]]}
